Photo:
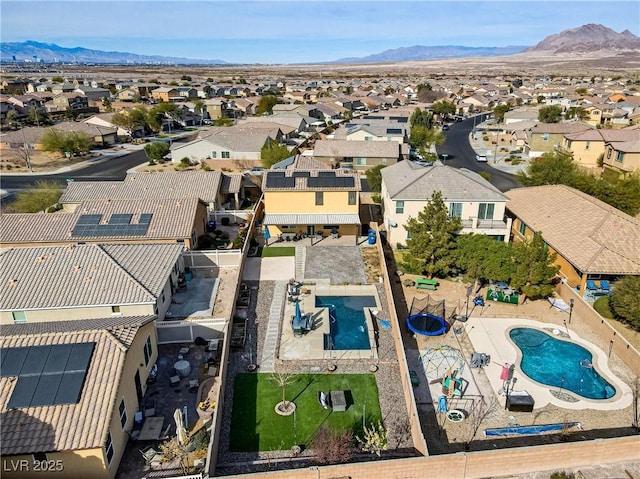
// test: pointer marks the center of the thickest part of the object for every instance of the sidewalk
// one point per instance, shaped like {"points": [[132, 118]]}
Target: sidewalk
{"points": [[495, 161]]}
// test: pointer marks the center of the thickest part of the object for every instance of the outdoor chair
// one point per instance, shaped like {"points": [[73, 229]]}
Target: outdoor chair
{"points": [[150, 455], [604, 285], [174, 379], [591, 285]]}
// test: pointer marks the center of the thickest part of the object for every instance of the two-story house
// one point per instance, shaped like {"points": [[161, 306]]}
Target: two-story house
{"points": [[69, 392], [357, 155], [313, 202], [545, 137], [623, 156], [407, 188]]}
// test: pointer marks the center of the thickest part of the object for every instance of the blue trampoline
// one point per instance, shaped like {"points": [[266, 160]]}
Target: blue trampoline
{"points": [[427, 324]]}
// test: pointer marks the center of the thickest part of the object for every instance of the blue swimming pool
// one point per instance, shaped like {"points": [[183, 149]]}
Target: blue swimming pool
{"points": [[560, 364], [348, 327]]}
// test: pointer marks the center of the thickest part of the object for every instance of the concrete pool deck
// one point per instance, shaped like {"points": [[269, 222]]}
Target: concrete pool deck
{"points": [[310, 346], [491, 336]]}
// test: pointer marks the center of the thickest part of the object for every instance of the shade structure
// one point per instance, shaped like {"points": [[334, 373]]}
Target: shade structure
{"points": [[267, 233], [180, 430], [298, 313]]}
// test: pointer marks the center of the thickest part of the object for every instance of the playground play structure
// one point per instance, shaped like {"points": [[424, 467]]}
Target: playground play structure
{"points": [[427, 317]]}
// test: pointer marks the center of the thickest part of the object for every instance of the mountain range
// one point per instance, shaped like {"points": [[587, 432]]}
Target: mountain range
{"points": [[590, 38]]}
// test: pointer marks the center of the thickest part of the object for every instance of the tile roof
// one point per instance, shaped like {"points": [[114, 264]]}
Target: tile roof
{"points": [[84, 275], [562, 128], [368, 149], [595, 237], [172, 219], [66, 427], [137, 186], [231, 183], [408, 181]]}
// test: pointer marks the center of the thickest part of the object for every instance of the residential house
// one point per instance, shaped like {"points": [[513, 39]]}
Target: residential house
{"points": [[78, 418], [58, 88], [214, 108], [359, 155], [101, 135], [128, 94], [588, 147], [545, 137], [166, 94], [109, 221], [591, 239], [623, 156], [104, 120], [407, 188], [313, 202], [75, 101], [521, 114], [93, 94], [373, 130]]}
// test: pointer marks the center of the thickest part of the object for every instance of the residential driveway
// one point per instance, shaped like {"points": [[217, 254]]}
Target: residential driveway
{"points": [[269, 269], [343, 264]]}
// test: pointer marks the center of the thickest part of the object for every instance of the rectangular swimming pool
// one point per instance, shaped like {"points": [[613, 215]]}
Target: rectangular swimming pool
{"points": [[348, 325]]}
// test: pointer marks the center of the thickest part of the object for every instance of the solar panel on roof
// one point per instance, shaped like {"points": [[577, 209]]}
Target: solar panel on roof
{"points": [[301, 174], [119, 225], [275, 174], [47, 375], [145, 218], [120, 219], [394, 131], [326, 174], [89, 219]]}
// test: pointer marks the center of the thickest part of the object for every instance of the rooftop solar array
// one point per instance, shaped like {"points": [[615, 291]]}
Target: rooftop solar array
{"points": [[325, 179], [394, 131], [118, 225], [331, 182], [47, 375]]}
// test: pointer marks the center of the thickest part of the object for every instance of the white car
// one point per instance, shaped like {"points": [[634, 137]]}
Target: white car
{"points": [[481, 158]]}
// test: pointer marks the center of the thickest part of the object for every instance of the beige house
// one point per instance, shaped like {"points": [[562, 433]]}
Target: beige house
{"points": [[358, 155], [624, 156], [79, 419], [408, 187], [61, 283], [592, 239], [588, 146], [166, 94], [545, 137]]}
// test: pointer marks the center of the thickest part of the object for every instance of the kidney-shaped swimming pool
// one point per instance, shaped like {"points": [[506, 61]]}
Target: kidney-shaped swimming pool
{"points": [[561, 364]]}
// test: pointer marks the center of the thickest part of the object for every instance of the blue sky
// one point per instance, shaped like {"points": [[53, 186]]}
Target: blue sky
{"points": [[298, 31]]}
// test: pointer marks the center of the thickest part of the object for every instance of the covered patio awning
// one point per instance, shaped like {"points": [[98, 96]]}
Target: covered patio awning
{"points": [[311, 219]]}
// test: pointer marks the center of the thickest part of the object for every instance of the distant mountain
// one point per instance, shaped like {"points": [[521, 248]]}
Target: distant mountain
{"points": [[50, 52], [419, 52], [588, 38]]}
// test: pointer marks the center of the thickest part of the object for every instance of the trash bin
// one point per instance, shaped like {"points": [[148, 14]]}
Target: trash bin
{"points": [[372, 237]]}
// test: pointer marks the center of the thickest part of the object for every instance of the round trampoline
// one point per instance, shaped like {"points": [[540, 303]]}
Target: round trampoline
{"points": [[427, 324]]}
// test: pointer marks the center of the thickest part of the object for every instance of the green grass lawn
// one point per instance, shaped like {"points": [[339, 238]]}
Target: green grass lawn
{"points": [[277, 251], [601, 305], [255, 426]]}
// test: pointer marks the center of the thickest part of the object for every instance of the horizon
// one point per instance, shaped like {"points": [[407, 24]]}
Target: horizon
{"points": [[291, 31]]}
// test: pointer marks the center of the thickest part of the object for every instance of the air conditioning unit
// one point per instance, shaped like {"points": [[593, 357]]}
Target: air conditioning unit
{"points": [[393, 224]]}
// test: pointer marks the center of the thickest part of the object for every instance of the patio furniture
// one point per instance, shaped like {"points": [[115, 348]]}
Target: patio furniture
{"points": [[149, 408], [174, 379], [338, 401], [591, 285], [150, 455], [151, 429], [423, 283], [604, 285], [323, 400], [183, 368]]}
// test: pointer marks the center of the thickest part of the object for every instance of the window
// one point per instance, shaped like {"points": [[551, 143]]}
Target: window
{"points": [[226, 154], [609, 153], [148, 351], [19, 317], [587, 145], [39, 457], [352, 197], [361, 161], [368, 138], [319, 198], [214, 154], [522, 228], [399, 207], [284, 227], [485, 211], [123, 414], [408, 235], [108, 447], [620, 157], [545, 137], [162, 298], [455, 210], [115, 309]]}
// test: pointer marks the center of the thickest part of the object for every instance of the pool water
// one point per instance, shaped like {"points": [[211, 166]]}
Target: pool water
{"points": [[348, 326], [560, 364]]}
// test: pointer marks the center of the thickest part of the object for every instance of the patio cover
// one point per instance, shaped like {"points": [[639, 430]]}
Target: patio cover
{"points": [[311, 219]]}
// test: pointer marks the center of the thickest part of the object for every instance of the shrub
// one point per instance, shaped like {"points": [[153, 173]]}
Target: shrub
{"points": [[376, 198]]}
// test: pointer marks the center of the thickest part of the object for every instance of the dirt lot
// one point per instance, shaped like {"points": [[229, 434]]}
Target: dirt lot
{"points": [[12, 161]]}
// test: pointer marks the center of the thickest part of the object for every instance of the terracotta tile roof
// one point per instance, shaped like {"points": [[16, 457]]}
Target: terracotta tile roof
{"points": [[231, 183], [172, 219], [138, 186], [84, 275], [595, 237], [66, 427], [368, 149]]}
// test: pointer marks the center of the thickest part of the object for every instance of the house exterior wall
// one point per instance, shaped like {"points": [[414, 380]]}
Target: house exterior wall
{"points": [[630, 160], [496, 226], [78, 312], [539, 145], [362, 135], [585, 153], [134, 362], [305, 202], [85, 463], [202, 150], [357, 163]]}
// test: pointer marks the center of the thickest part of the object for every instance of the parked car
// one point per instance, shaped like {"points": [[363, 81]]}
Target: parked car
{"points": [[445, 127], [481, 158], [424, 163], [256, 170]]}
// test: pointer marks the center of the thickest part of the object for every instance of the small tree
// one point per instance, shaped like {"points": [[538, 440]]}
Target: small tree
{"points": [[374, 439], [625, 300], [266, 104], [500, 110], [273, 152], [550, 114], [331, 446], [553, 168], [38, 197], [374, 177], [156, 150], [60, 141], [432, 238], [533, 270], [482, 409], [482, 257], [283, 380]]}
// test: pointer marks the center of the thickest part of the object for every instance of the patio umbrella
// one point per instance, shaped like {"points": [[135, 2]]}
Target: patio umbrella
{"points": [[504, 374], [267, 234], [180, 430], [298, 314]]}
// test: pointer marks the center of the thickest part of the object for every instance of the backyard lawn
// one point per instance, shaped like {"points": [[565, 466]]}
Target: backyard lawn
{"points": [[277, 251], [255, 426]]}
